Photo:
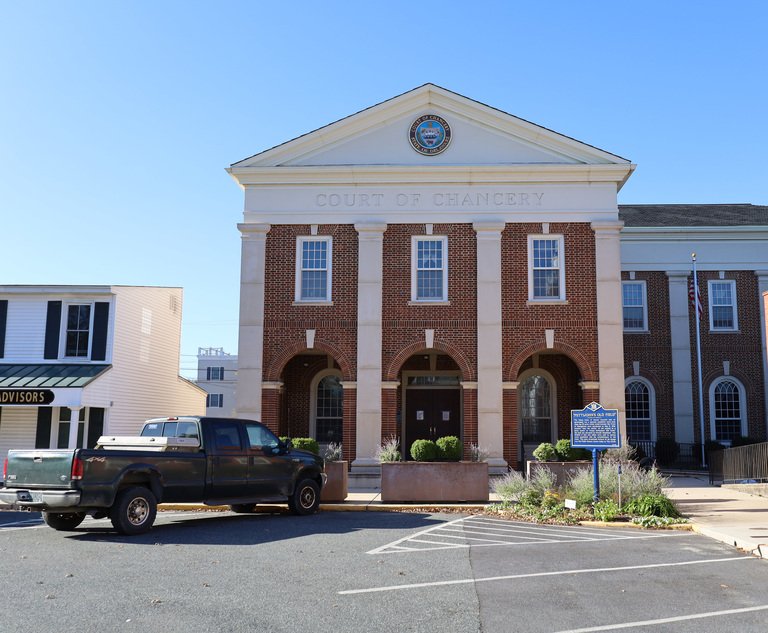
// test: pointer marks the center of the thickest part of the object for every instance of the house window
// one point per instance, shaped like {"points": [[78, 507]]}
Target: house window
{"points": [[546, 268], [429, 269], [329, 409], [727, 409], [722, 305], [639, 403], [215, 373], [78, 329], [536, 409], [62, 433], [215, 400], [634, 306], [313, 269]]}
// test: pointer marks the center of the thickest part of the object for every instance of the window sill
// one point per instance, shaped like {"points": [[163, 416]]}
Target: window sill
{"points": [[429, 303], [312, 303], [636, 331], [724, 331], [547, 302]]}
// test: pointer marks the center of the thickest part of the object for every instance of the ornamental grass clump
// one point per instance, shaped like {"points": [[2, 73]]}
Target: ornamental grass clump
{"points": [[389, 450], [510, 486]]}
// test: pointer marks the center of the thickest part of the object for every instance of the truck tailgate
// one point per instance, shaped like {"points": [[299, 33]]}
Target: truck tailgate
{"points": [[39, 469]]}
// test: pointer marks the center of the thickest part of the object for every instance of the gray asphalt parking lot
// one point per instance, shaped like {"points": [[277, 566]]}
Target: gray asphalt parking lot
{"points": [[372, 571]]}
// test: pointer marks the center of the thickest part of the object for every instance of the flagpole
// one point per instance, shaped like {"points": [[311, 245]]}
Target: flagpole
{"points": [[696, 306]]}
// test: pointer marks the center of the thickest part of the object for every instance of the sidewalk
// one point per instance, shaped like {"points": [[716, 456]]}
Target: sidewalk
{"points": [[722, 513]]}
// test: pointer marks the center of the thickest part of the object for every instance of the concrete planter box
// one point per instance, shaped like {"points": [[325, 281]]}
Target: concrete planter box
{"points": [[337, 486], [434, 481], [563, 471]]}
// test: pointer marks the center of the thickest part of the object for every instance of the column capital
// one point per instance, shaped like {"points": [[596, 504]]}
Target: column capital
{"points": [[607, 226], [253, 230], [373, 229], [489, 228], [762, 275], [678, 275]]}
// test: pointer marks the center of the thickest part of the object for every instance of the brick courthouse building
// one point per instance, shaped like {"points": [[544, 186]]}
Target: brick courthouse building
{"points": [[433, 266]]}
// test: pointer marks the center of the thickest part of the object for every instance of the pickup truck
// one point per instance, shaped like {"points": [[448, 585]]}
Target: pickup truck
{"points": [[216, 461]]}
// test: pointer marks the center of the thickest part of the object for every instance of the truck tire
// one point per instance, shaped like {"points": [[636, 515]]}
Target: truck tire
{"points": [[242, 508], [305, 498], [63, 521], [134, 510]]}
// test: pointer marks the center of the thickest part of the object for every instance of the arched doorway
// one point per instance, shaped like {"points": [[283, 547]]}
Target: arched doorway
{"points": [[537, 398], [327, 407], [431, 399]]}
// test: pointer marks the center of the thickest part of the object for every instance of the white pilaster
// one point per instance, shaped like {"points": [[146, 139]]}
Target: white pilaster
{"points": [[74, 426], [610, 325], [490, 402], [370, 274], [680, 331], [250, 351], [762, 295]]}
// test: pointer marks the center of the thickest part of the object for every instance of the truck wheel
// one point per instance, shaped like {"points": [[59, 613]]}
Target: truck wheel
{"points": [[134, 511], [242, 508], [63, 521], [305, 498]]}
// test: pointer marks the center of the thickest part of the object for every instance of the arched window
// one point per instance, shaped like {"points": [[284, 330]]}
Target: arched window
{"points": [[727, 409], [641, 410], [536, 406], [328, 409]]}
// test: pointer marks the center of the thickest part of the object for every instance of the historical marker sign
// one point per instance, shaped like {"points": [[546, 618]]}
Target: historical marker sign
{"points": [[595, 428]]}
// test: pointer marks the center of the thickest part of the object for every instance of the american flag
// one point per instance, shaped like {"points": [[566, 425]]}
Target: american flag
{"points": [[695, 297]]}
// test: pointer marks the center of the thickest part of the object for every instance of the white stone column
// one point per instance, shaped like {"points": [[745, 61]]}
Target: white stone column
{"points": [[762, 295], [370, 275], [682, 359], [490, 401], [250, 352], [74, 426], [610, 324]]}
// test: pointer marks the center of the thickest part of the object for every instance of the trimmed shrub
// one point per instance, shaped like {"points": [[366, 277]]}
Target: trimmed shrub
{"points": [[306, 444], [563, 450], [450, 448], [424, 450], [544, 452]]}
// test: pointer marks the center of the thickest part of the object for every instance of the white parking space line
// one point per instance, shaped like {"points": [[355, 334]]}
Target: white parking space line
{"points": [[475, 531], [566, 572], [680, 618]]}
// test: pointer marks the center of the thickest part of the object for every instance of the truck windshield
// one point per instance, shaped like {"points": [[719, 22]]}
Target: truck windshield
{"points": [[170, 429]]}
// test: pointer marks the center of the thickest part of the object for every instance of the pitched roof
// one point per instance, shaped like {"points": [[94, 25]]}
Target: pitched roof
{"points": [[693, 214]]}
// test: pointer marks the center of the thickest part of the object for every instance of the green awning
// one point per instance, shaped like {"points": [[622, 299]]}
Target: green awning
{"points": [[49, 376]]}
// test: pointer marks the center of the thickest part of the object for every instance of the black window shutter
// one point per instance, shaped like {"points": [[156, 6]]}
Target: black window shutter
{"points": [[52, 328], [221, 400], [100, 326], [3, 322], [43, 433], [95, 426], [207, 373]]}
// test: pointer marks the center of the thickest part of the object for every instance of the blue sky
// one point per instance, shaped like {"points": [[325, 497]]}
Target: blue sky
{"points": [[117, 119]]}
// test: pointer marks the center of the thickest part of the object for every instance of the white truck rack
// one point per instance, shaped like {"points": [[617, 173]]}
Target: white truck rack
{"points": [[148, 443]]}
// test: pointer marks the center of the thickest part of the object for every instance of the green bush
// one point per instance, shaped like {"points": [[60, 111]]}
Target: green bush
{"points": [[563, 450], [450, 448], [652, 505], [531, 498], [306, 444], [544, 452], [424, 450], [606, 510]]}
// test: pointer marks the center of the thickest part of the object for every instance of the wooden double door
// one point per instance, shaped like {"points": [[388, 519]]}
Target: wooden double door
{"points": [[431, 414]]}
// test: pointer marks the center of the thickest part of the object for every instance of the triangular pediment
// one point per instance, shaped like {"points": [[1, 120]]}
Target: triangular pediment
{"points": [[479, 135]]}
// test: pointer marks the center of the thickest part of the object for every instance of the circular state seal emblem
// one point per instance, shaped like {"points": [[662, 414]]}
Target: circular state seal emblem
{"points": [[430, 134]]}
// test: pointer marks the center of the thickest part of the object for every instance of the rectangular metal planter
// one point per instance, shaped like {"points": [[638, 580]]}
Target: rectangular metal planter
{"points": [[434, 481], [337, 487]]}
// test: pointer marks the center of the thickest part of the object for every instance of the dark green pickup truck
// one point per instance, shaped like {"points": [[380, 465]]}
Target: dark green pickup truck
{"points": [[216, 461]]}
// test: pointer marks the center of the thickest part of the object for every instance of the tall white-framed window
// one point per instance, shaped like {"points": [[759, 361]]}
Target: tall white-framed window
{"points": [[640, 404], [727, 409], [429, 268], [537, 398], [313, 268], [61, 427], [77, 326], [634, 306], [215, 400], [327, 407], [546, 268], [722, 305]]}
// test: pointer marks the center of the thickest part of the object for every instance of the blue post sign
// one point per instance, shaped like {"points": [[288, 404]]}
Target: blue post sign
{"points": [[595, 428]]}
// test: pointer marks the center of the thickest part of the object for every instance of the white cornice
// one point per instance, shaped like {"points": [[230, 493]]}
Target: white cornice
{"points": [[430, 174]]}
